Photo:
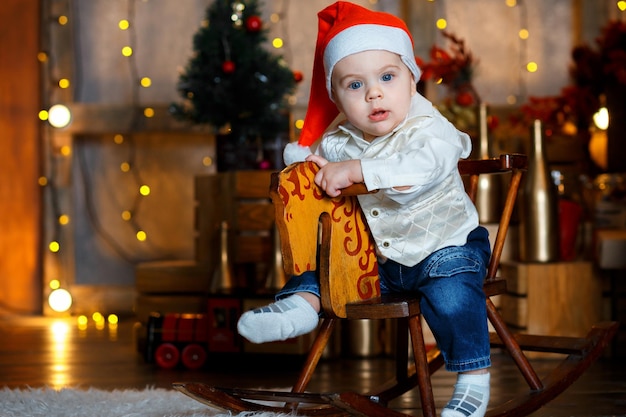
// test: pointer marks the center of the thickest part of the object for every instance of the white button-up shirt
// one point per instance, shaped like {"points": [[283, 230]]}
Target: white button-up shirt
{"points": [[422, 153]]}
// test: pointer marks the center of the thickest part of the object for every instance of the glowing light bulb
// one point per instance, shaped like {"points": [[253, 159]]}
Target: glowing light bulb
{"points": [[601, 118], [532, 66], [60, 300], [441, 24], [141, 236], [54, 246], [144, 190], [59, 116]]}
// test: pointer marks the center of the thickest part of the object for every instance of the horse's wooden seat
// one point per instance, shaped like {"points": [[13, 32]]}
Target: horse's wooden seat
{"points": [[349, 287]]}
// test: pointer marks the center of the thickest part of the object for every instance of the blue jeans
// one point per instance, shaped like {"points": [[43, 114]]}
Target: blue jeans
{"points": [[450, 284]]}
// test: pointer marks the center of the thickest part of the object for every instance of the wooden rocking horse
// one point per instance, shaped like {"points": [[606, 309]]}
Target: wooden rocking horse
{"points": [[349, 286]]}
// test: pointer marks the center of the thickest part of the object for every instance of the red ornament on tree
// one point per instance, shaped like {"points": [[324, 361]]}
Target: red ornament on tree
{"points": [[254, 24], [298, 76], [228, 66], [265, 164]]}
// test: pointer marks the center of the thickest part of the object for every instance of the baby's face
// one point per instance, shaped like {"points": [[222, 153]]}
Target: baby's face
{"points": [[373, 89]]}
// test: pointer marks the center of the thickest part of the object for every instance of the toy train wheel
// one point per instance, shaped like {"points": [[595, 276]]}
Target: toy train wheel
{"points": [[167, 356], [193, 356]]}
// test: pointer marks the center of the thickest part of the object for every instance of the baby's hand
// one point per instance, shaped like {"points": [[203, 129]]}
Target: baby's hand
{"points": [[335, 176]]}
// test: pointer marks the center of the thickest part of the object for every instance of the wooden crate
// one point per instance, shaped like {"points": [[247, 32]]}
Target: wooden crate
{"points": [[560, 298]]}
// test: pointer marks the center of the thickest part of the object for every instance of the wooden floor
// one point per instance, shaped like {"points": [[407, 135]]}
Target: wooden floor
{"points": [[39, 352]]}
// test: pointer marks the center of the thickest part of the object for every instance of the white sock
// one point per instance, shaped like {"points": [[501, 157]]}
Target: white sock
{"points": [[470, 398], [290, 317]]}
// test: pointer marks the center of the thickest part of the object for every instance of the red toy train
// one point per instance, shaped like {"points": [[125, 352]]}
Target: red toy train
{"points": [[188, 338]]}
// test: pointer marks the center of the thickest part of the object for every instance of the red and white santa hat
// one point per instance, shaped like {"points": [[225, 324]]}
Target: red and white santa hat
{"points": [[345, 29]]}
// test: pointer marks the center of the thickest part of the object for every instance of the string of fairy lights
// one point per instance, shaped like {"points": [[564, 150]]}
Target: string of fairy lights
{"points": [[123, 141], [57, 88], [525, 65], [59, 240]]}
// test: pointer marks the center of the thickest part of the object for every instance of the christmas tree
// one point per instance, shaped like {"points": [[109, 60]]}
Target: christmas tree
{"points": [[232, 80]]}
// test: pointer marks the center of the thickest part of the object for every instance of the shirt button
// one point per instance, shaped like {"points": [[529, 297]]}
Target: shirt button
{"points": [[374, 212], [386, 244]]}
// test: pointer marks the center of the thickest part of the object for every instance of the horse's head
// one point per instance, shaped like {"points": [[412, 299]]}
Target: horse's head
{"points": [[299, 203], [301, 206]]}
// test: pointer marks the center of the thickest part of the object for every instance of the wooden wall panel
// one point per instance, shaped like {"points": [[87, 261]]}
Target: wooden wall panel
{"points": [[20, 200]]}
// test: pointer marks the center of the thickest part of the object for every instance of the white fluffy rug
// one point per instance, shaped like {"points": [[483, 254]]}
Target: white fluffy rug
{"points": [[47, 402]]}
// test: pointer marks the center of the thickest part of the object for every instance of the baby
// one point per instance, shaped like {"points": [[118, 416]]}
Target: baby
{"points": [[425, 227]]}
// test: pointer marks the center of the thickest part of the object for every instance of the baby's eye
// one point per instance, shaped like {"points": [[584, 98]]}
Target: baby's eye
{"points": [[387, 77], [355, 85]]}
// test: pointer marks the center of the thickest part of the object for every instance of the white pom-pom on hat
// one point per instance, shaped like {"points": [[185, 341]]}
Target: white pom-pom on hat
{"points": [[294, 152]]}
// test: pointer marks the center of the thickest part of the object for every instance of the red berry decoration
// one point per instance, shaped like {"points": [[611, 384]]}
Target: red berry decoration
{"points": [[493, 122], [298, 76], [464, 99], [228, 67], [254, 24]]}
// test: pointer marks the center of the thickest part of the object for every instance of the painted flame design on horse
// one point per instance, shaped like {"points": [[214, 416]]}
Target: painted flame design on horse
{"points": [[301, 207]]}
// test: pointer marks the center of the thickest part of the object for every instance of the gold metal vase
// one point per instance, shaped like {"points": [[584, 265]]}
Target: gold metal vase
{"points": [[539, 232], [489, 193]]}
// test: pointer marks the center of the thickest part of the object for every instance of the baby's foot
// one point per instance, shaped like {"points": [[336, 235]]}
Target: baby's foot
{"points": [[290, 317], [470, 398]]}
